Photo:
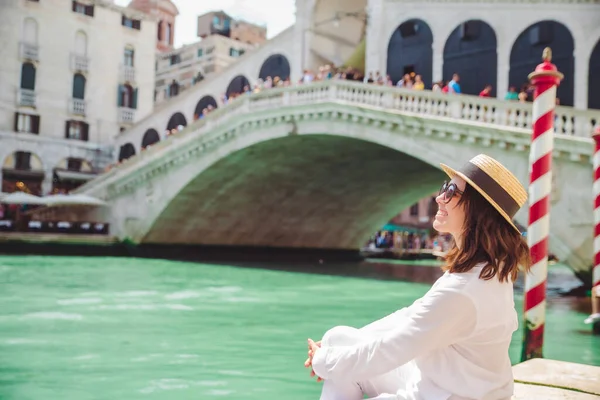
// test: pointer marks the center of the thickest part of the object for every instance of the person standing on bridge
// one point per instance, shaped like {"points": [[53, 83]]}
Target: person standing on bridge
{"points": [[452, 344]]}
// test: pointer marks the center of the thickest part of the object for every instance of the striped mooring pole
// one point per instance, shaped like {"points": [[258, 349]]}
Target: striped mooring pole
{"points": [[545, 79], [594, 319]]}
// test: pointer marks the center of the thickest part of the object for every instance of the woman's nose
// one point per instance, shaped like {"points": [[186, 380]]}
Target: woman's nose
{"points": [[440, 198]]}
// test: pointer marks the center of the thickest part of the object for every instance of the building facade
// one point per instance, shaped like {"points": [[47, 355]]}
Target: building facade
{"points": [[73, 75], [165, 12], [223, 40], [180, 69]]}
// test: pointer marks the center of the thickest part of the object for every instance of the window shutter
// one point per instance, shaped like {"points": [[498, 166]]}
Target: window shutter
{"points": [[89, 10], [120, 96], [134, 100], [35, 124], [67, 125], [74, 5], [17, 122], [85, 133]]}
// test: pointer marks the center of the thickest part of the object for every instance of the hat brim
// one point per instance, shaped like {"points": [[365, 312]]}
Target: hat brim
{"points": [[451, 172]]}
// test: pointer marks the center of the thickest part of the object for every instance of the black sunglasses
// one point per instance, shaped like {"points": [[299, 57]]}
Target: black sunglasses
{"points": [[449, 190]]}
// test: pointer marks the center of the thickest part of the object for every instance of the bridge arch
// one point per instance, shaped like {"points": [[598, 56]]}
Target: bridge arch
{"points": [[237, 85], [203, 103], [470, 51], [275, 65], [594, 78], [526, 54], [150, 137], [176, 120], [126, 151], [410, 50]]}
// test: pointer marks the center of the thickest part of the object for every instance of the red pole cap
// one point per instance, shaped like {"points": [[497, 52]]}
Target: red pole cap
{"points": [[546, 72]]}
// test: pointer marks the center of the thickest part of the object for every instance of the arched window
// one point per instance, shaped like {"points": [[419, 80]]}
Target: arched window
{"points": [[173, 89], [81, 43], [169, 34], [28, 76], [128, 56], [127, 98], [159, 32], [78, 86], [30, 31]]}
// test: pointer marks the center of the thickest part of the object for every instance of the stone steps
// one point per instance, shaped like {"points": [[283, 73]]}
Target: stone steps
{"points": [[551, 379]]}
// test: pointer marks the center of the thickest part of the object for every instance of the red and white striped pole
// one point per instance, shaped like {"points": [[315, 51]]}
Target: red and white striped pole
{"points": [[546, 79], [594, 319]]}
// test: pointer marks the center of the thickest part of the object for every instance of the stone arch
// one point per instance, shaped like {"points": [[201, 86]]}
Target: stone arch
{"points": [[410, 50], [526, 54], [70, 173], [22, 171], [176, 120], [237, 85], [203, 103], [126, 151], [150, 137], [594, 78], [470, 51], [275, 65]]}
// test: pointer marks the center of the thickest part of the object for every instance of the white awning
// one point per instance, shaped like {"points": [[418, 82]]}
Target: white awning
{"points": [[74, 175], [22, 198], [72, 200]]}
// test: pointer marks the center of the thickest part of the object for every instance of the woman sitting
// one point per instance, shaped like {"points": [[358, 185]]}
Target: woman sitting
{"points": [[452, 344]]}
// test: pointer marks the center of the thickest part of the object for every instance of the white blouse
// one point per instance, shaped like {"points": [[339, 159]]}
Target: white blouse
{"points": [[458, 334]]}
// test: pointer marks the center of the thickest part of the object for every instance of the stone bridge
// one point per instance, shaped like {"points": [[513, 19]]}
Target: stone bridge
{"points": [[325, 165]]}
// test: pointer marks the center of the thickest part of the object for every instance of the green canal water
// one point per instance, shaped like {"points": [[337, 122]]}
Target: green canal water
{"points": [[74, 328]]}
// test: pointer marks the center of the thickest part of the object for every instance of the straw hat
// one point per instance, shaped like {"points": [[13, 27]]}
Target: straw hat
{"points": [[495, 183]]}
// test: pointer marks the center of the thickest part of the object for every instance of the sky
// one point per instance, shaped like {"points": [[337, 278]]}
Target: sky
{"points": [[277, 15]]}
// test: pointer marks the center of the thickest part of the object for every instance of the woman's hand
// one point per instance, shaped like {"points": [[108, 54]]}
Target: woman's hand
{"points": [[312, 349]]}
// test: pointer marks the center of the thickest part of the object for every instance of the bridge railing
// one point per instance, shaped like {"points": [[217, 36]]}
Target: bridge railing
{"points": [[487, 111]]}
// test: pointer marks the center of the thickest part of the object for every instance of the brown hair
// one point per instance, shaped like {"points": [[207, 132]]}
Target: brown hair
{"points": [[487, 238]]}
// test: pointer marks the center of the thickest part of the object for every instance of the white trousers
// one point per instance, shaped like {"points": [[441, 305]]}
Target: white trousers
{"points": [[391, 385]]}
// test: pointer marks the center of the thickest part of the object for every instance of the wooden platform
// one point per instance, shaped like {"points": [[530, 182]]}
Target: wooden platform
{"points": [[550, 379]]}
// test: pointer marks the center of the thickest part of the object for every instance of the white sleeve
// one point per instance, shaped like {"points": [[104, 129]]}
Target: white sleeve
{"points": [[385, 324], [441, 318]]}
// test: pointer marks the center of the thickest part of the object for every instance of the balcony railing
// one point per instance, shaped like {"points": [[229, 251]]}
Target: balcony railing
{"points": [[126, 115], [79, 63], [26, 98], [77, 107], [127, 73], [29, 51]]}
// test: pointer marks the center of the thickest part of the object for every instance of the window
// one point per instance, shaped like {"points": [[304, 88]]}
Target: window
{"points": [[175, 59], [127, 96], [234, 52], [27, 123], [81, 43], [131, 23], [23, 160], [78, 86], [77, 130], [30, 31], [173, 89], [83, 8], [74, 164], [128, 56], [28, 76], [159, 31], [414, 210], [169, 34], [200, 52]]}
